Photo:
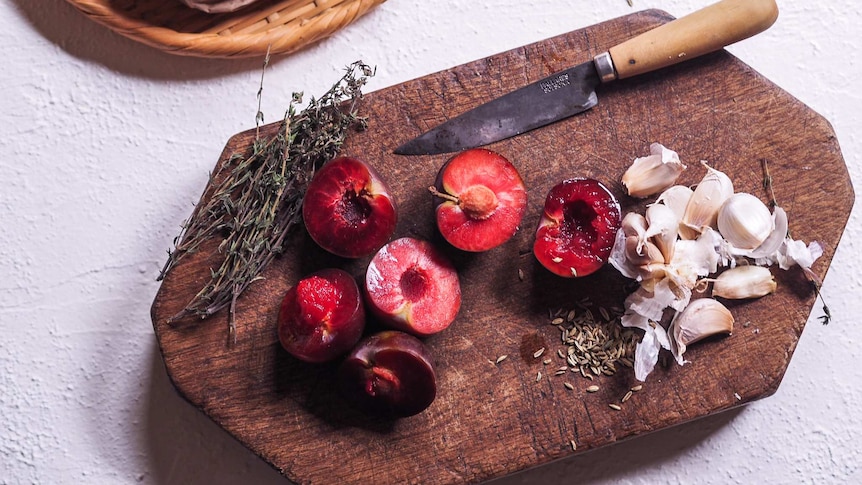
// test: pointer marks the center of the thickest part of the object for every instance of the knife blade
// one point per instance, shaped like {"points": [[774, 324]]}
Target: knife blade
{"points": [[573, 91]]}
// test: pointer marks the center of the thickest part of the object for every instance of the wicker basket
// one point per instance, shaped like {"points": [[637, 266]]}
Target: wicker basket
{"points": [[284, 26]]}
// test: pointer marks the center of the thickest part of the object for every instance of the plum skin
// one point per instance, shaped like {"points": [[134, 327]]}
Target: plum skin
{"points": [[481, 200], [411, 286], [578, 228], [322, 317], [348, 209], [390, 373]]}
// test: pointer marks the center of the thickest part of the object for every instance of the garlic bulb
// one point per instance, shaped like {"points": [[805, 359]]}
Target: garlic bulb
{"points": [[702, 208], [747, 281], [676, 198], [651, 174], [745, 221], [702, 318]]}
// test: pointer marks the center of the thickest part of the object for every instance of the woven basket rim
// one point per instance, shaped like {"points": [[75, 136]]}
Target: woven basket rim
{"points": [[326, 17]]}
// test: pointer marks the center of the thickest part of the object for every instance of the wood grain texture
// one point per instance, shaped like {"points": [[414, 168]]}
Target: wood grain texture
{"points": [[491, 420]]}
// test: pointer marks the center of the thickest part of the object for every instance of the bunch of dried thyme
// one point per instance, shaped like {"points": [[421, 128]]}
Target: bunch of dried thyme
{"points": [[256, 197]]}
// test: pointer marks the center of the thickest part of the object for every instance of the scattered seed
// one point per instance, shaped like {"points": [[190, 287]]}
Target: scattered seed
{"points": [[574, 445], [546, 361], [538, 376], [626, 397], [615, 407], [556, 321], [538, 353], [557, 259], [574, 272], [560, 353], [737, 396], [559, 372], [593, 389], [746, 324], [520, 274], [501, 358], [605, 314], [569, 386], [571, 316], [637, 388]]}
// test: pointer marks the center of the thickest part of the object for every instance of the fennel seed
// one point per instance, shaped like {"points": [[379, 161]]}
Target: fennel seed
{"points": [[501, 359], [627, 396], [615, 407], [538, 353], [569, 386], [593, 388]]}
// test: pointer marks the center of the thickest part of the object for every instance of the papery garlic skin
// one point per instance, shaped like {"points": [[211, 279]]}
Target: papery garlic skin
{"points": [[744, 221], [744, 282], [702, 318], [652, 174], [707, 198]]}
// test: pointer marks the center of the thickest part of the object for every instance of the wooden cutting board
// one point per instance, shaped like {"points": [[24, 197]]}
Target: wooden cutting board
{"points": [[490, 419]]}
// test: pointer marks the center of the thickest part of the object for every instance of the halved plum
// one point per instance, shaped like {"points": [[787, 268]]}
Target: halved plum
{"points": [[413, 287], [322, 316], [389, 373], [348, 209], [482, 200], [578, 227]]}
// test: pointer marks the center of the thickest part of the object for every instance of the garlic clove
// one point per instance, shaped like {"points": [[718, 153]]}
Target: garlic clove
{"points": [[651, 174], [744, 221], [676, 198], [774, 241], [640, 253], [702, 318], [663, 229], [745, 281], [702, 208], [633, 224]]}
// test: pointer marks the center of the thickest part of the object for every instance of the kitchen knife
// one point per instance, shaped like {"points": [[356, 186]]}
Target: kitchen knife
{"points": [[572, 91]]}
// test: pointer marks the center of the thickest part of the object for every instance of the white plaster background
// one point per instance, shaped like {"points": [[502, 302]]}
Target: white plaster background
{"points": [[106, 144]]}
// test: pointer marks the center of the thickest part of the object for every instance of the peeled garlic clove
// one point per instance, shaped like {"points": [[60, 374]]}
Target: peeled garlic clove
{"points": [[707, 198], [662, 229], [676, 198], [651, 174], [745, 221], [742, 282], [702, 318]]}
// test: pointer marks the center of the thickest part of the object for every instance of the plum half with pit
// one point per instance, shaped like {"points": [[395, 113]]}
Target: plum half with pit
{"points": [[321, 317], [481, 200], [578, 227], [390, 373], [411, 286], [348, 209]]}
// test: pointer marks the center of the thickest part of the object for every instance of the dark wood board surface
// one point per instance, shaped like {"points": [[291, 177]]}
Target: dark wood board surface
{"points": [[492, 420]]}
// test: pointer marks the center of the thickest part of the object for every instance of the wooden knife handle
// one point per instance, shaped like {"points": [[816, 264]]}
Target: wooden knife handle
{"points": [[696, 34]]}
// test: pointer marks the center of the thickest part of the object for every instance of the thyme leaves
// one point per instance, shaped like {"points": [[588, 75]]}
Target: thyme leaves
{"points": [[255, 198]]}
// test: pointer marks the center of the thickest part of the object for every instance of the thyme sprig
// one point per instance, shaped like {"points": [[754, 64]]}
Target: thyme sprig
{"points": [[256, 197]]}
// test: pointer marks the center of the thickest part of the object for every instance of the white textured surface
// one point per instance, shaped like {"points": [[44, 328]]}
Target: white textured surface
{"points": [[107, 143]]}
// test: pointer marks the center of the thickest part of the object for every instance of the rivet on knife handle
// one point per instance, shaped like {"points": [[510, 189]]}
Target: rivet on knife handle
{"points": [[704, 31]]}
